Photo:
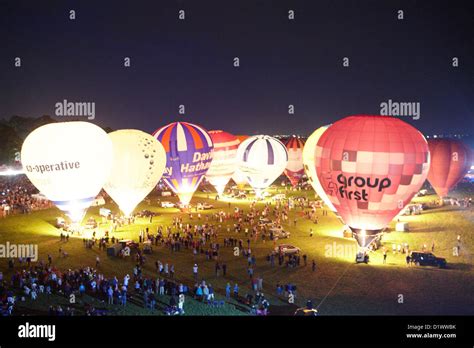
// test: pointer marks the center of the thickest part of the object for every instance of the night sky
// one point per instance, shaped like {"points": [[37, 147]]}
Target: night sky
{"points": [[282, 62]]}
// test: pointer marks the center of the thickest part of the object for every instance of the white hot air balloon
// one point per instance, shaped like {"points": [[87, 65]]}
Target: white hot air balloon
{"points": [[262, 159], [309, 152], [68, 162], [138, 164]]}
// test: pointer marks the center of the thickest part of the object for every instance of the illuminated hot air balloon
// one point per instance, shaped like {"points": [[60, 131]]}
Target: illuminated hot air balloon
{"points": [[262, 159], [68, 162], [294, 169], [371, 167], [189, 154], [138, 163], [309, 153], [224, 159], [450, 162], [239, 178]]}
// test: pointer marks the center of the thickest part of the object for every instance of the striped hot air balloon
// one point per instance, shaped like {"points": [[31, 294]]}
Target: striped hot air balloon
{"points": [[239, 178], [262, 159], [294, 169], [224, 161], [371, 167], [189, 155]]}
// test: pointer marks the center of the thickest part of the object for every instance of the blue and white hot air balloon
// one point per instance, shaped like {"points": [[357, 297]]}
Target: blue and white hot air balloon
{"points": [[262, 159], [189, 150]]}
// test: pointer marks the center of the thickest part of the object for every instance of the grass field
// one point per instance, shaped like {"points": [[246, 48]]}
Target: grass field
{"points": [[338, 287]]}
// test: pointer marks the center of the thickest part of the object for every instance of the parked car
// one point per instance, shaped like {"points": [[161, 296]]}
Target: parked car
{"points": [[279, 233], [205, 206], [279, 197], [91, 223], [167, 204], [265, 221], [427, 259], [287, 249], [146, 213]]}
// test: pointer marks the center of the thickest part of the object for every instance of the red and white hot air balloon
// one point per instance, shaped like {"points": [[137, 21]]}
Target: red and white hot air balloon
{"points": [[224, 161], [450, 162], [294, 169], [371, 167], [239, 178]]}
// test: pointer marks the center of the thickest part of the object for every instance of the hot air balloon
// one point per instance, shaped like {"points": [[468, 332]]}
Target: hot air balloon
{"points": [[138, 164], [239, 178], [371, 167], [224, 159], [294, 169], [450, 162], [309, 152], [68, 162], [189, 154], [262, 159]]}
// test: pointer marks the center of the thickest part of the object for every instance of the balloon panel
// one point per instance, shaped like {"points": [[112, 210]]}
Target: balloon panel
{"points": [[188, 150], [451, 159], [68, 162], [371, 167], [139, 161]]}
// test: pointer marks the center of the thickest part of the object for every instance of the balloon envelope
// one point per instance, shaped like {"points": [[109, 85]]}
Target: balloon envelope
{"points": [[224, 159], [450, 162], [294, 169], [188, 150], [138, 163], [371, 167], [68, 162], [239, 178], [262, 159], [309, 152]]}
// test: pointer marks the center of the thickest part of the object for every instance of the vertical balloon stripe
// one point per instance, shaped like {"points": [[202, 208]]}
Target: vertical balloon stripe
{"points": [[165, 137], [270, 158], [248, 148], [182, 144]]}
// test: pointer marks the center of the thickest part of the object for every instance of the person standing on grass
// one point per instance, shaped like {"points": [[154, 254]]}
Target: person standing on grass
{"points": [[217, 268], [227, 290], [110, 295], [195, 271], [313, 267], [224, 269], [236, 290], [97, 261], [385, 256]]}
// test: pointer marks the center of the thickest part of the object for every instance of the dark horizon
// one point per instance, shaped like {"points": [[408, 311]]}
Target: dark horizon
{"points": [[283, 62]]}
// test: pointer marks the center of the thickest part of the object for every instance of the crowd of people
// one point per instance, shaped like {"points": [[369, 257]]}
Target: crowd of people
{"points": [[18, 195]]}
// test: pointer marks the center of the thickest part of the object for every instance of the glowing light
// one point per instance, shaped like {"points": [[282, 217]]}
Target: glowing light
{"points": [[12, 172], [138, 164], [68, 162]]}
